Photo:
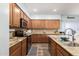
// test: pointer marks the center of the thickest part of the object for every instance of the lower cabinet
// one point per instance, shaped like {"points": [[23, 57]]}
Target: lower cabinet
{"points": [[15, 50], [39, 38], [52, 47], [19, 49], [56, 50], [24, 47]]}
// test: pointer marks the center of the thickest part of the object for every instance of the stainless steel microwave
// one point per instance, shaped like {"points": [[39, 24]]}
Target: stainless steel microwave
{"points": [[23, 23]]}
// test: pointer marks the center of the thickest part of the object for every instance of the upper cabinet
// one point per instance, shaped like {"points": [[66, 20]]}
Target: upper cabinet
{"points": [[52, 24], [22, 14], [10, 15], [46, 24], [36, 24], [16, 15]]}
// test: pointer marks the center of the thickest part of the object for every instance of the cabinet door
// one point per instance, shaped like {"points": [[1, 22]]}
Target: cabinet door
{"points": [[39, 24], [39, 38], [52, 24], [43, 38], [16, 16], [10, 14], [34, 38], [53, 48], [29, 24], [35, 24], [42, 24], [24, 47], [22, 15], [63, 51], [17, 52], [59, 53]]}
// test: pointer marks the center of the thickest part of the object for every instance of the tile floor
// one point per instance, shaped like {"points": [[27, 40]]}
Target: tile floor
{"points": [[39, 49]]}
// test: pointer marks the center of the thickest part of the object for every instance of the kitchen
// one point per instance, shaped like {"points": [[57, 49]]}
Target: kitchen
{"points": [[36, 30]]}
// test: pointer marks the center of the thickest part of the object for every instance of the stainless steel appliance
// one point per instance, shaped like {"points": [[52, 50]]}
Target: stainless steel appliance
{"points": [[23, 23]]}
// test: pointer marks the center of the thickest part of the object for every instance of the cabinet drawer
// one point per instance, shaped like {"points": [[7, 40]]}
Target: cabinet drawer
{"points": [[13, 48]]}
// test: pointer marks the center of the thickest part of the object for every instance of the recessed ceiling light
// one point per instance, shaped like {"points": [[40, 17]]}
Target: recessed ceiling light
{"points": [[54, 10], [35, 10]]}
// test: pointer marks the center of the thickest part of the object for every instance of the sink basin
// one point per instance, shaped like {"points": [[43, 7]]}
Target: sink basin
{"points": [[65, 39], [70, 44]]}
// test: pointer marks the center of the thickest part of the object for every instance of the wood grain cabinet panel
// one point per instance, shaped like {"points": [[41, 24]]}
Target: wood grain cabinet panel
{"points": [[35, 24], [16, 16], [56, 50], [52, 47], [19, 49], [24, 47], [10, 14], [59, 53], [22, 14], [29, 24], [52, 24], [39, 38], [62, 51], [15, 50], [46, 24]]}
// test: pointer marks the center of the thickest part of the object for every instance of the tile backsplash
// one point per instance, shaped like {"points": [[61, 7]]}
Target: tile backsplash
{"points": [[11, 32]]}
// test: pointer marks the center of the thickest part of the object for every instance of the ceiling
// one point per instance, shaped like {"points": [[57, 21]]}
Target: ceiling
{"points": [[51, 8]]}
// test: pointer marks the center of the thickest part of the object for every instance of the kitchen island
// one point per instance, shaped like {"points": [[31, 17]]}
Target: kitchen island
{"points": [[58, 48]]}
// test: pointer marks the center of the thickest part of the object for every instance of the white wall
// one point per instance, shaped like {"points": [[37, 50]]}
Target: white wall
{"points": [[70, 23], [4, 29], [45, 16]]}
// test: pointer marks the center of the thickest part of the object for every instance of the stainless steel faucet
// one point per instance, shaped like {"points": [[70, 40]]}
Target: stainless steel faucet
{"points": [[73, 32]]}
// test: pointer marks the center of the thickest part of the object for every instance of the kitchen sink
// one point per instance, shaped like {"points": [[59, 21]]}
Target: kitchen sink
{"points": [[72, 44], [66, 42], [65, 39]]}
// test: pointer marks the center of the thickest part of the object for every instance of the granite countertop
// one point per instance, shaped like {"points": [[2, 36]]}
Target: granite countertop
{"points": [[72, 50], [53, 33], [15, 40]]}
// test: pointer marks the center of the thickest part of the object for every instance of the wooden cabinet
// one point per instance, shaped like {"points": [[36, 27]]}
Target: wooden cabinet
{"points": [[15, 50], [42, 24], [38, 24], [16, 16], [56, 50], [52, 24], [35, 24], [24, 47], [46, 24], [62, 51], [19, 49], [29, 24], [52, 47], [39, 38], [10, 15], [22, 14]]}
